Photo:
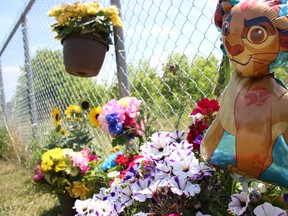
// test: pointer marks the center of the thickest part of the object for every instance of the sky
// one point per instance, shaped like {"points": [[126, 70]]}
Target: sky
{"points": [[9, 10], [153, 36]]}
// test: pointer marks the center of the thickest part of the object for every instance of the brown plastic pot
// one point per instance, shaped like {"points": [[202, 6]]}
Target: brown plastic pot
{"points": [[84, 54], [66, 204]]}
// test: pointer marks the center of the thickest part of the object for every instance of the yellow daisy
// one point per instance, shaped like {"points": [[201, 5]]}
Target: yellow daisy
{"points": [[93, 116], [46, 164], [60, 166], [56, 116], [72, 109]]}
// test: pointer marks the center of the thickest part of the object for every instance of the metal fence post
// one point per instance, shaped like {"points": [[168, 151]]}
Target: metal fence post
{"points": [[124, 88], [3, 101], [29, 75]]}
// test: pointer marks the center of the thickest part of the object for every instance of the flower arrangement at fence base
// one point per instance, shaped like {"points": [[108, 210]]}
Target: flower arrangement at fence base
{"points": [[64, 171], [168, 177], [68, 160], [85, 32], [165, 170], [122, 121]]}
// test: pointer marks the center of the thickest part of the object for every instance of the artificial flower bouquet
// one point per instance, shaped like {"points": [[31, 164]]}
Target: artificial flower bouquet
{"points": [[162, 180], [122, 121], [85, 18], [68, 162], [65, 171]]}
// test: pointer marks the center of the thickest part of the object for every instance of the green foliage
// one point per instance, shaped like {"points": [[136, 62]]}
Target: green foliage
{"points": [[281, 73], [184, 80], [5, 143]]}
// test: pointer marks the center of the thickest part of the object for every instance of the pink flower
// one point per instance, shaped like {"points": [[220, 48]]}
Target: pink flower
{"points": [[131, 106], [39, 175], [93, 157], [81, 159]]}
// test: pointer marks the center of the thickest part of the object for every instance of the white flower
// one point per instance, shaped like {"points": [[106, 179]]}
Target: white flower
{"points": [[267, 209], [259, 187], [127, 196], [177, 136], [239, 203], [159, 149], [113, 174], [138, 187], [181, 186], [100, 207], [81, 206], [181, 145], [187, 166], [103, 193], [162, 171], [114, 193]]}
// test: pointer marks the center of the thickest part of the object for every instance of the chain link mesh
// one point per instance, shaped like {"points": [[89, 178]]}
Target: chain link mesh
{"points": [[172, 55]]}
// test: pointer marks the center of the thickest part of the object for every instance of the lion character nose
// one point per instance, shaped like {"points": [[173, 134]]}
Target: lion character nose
{"points": [[234, 50]]}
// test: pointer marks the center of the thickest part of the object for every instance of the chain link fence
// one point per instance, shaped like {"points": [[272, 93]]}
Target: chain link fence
{"points": [[172, 58]]}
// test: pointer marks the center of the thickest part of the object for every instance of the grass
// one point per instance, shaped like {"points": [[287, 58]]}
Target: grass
{"points": [[17, 195]]}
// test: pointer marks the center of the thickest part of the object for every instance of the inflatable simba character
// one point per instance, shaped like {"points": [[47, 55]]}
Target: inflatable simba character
{"points": [[250, 133]]}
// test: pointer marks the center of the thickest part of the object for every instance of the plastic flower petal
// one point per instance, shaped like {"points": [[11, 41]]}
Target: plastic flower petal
{"points": [[93, 116], [81, 205], [79, 190], [181, 186], [268, 209], [56, 116], [72, 109], [239, 203], [127, 196], [177, 136], [186, 167], [137, 188]]}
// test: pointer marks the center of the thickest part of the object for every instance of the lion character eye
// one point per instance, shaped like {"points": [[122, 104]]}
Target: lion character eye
{"points": [[225, 28], [257, 35]]}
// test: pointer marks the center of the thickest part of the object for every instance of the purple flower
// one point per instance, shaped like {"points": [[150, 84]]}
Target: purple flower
{"points": [[239, 203], [198, 139], [269, 209]]}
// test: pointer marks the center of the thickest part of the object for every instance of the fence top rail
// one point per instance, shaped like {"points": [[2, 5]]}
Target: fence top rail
{"points": [[28, 7]]}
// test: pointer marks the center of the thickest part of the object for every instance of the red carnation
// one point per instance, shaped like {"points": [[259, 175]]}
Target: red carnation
{"points": [[206, 107], [123, 160]]}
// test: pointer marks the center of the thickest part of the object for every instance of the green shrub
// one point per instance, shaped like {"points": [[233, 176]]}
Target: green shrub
{"points": [[4, 143]]}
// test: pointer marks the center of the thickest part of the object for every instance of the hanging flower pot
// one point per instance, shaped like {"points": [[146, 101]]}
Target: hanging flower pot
{"points": [[85, 31], [84, 54]]}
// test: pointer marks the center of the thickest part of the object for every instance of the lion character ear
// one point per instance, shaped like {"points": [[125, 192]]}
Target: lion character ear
{"points": [[223, 7], [281, 24]]}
